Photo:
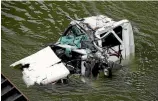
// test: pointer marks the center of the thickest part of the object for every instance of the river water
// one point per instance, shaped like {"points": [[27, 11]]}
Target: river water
{"points": [[29, 26]]}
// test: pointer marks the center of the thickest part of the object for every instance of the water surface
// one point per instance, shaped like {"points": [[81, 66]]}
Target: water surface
{"points": [[29, 26]]}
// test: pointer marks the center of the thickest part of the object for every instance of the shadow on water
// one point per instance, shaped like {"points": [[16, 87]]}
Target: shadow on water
{"points": [[27, 26]]}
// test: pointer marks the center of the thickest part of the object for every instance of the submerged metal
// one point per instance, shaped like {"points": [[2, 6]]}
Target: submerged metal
{"points": [[91, 44]]}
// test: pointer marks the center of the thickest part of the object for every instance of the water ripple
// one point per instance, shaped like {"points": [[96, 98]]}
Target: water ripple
{"points": [[28, 25], [17, 18]]}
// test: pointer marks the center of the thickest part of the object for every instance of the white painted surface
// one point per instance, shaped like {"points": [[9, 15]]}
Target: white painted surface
{"points": [[43, 69], [45, 75], [41, 59]]}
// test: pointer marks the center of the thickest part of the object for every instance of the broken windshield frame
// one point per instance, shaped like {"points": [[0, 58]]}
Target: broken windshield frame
{"points": [[73, 30]]}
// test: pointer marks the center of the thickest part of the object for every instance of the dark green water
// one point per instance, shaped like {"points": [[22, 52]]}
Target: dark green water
{"points": [[28, 26]]}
